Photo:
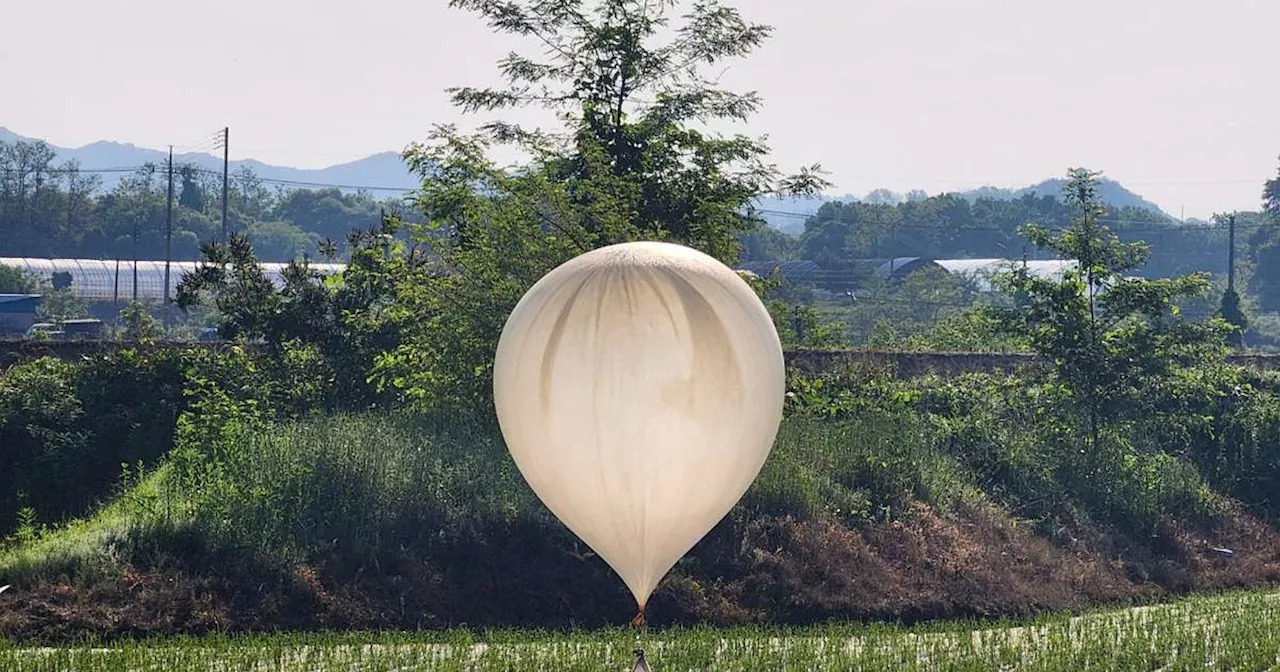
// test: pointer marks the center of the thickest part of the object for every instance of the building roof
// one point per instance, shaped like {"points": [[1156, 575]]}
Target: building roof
{"points": [[982, 271], [105, 280], [19, 303]]}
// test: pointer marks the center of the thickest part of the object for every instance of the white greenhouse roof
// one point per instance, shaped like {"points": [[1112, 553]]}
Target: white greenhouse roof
{"points": [[105, 280], [982, 270]]}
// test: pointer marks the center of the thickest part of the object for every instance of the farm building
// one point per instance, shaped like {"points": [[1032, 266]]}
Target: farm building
{"points": [[17, 313], [857, 271], [981, 271], [101, 280]]}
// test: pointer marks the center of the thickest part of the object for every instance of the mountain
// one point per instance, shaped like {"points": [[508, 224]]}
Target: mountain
{"points": [[388, 173], [1111, 192], [384, 170], [787, 214]]}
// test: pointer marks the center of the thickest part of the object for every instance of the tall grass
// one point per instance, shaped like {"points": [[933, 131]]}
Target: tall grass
{"points": [[348, 489]]}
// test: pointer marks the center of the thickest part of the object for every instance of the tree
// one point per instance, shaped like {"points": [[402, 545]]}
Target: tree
{"points": [[1233, 314], [1108, 336], [341, 318], [328, 213], [765, 243], [14, 280], [628, 162], [191, 195], [138, 323], [280, 241], [1271, 196], [59, 305]]}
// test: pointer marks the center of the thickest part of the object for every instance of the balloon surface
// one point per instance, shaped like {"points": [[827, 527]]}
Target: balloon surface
{"points": [[639, 388]]}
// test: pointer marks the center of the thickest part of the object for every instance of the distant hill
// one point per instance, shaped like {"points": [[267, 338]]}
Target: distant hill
{"points": [[388, 172], [1112, 193], [384, 170]]}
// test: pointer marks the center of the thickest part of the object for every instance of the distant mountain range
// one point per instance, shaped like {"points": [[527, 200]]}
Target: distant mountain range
{"points": [[384, 170], [387, 173], [1112, 193]]}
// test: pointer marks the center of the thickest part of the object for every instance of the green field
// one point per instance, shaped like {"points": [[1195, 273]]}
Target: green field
{"points": [[1223, 632]]}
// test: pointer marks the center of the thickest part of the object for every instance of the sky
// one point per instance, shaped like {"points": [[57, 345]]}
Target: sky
{"points": [[1176, 99]]}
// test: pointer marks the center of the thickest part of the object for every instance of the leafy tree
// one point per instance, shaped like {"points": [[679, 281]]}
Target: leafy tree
{"points": [[1271, 195], [900, 309], [630, 161], [14, 280], [339, 319], [328, 213], [1233, 314], [765, 243], [232, 280], [1109, 336], [58, 305], [191, 195], [138, 323], [280, 241]]}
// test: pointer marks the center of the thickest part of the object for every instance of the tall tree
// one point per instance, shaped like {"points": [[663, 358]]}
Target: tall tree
{"points": [[191, 194], [1107, 334], [632, 159], [1271, 195]]}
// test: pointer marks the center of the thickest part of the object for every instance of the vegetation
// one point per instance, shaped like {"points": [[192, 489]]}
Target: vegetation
{"points": [[1230, 631], [337, 465], [50, 210]]}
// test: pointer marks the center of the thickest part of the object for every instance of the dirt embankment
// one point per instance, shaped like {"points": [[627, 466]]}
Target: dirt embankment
{"points": [[973, 562]]}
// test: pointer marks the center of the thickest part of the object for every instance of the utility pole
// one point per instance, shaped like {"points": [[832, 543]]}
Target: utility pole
{"points": [[226, 136], [1231, 253], [168, 228]]}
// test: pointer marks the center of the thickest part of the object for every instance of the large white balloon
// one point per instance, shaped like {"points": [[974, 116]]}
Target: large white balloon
{"points": [[639, 388]]}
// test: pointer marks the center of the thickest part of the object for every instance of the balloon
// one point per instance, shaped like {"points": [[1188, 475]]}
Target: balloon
{"points": [[639, 388]]}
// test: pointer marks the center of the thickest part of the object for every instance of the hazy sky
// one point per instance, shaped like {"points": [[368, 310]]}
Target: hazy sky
{"points": [[1177, 99]]}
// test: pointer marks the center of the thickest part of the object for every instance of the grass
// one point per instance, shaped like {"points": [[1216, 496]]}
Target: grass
{"points": [[1227, 631], [886, 503], [375, 481], [90, 544]]}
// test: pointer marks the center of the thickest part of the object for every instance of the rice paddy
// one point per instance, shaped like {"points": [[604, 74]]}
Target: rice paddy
{"points": [[1222, 632]]}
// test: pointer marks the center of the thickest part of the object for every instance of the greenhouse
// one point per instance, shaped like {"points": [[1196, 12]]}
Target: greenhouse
{"points": [[112, 280]]}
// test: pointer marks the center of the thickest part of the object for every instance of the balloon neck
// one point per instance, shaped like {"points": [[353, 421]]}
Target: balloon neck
{"points": [[638, 621]]}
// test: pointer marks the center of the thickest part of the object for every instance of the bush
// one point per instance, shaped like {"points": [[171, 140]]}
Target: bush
{"points": [[43, 442], [1016, 441], [76, 423]]}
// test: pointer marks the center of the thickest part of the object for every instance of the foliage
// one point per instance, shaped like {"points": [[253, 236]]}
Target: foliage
{"points": [[15, 280], [799, 326], [58, 305], [628, 163], [50, 210], [973, 330], [1232, 313], [338, 322], [1110, 337], [949, 226], [64, 422], [42, 442], [138, 323], [1271, 196]]}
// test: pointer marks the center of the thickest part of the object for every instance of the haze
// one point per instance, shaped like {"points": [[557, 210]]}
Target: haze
{"points": [[1175, 99]]}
